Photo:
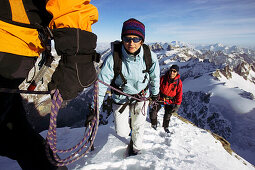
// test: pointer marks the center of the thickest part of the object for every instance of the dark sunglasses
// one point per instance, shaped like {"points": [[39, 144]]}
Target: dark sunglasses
{"points": [[174, 71], [128, 39]]}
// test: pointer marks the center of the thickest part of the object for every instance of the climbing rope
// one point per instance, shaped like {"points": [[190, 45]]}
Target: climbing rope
{"points": [[140, 98], [84, 145]]}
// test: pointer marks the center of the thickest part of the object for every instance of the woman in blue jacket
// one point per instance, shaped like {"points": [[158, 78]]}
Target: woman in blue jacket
{"points": [[136, 82]]}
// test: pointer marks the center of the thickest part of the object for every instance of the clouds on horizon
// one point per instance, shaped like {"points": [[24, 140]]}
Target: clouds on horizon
{"points": [[227, 21]]}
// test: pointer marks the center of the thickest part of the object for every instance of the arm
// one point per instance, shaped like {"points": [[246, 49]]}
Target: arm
{"points": [[75, 43], [106, 75], [179, 93], [154, 75]]}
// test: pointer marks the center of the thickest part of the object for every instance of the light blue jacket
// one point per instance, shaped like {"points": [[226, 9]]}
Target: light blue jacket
{"points": [[132, 70]]}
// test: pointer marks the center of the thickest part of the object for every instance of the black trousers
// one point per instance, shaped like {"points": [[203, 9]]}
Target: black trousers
{"points": [[18, 140], [168, 113]]}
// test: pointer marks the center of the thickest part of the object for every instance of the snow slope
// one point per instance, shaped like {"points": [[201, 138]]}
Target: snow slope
{"points": [[187, 147]]}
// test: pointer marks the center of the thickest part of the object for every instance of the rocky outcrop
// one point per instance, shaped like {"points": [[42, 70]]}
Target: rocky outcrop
{"points": [[226, 71], [156, 47], [243, 69], [196, 107]]}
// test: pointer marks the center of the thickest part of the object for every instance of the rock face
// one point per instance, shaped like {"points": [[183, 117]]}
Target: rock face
{"points": [[196, 108], [156, 47]]}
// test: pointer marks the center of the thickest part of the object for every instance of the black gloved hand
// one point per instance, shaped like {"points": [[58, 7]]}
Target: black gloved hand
{"points": [[76, 69], [90, 117], [176, 108], [155, 98]]}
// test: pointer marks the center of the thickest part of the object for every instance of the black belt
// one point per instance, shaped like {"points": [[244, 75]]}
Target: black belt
{"points": [[166, 97]]}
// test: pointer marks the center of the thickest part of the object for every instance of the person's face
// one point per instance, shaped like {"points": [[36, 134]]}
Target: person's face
{"points": [[173, 73], [132, 43]]}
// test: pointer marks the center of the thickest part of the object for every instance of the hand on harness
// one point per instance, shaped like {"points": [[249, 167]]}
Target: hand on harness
{"points": [[155, 98], [90, 117], [76, 69]]}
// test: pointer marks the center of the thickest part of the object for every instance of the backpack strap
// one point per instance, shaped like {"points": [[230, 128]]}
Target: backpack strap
{"points": [[147, 59], [177, 82], [117, 63]]}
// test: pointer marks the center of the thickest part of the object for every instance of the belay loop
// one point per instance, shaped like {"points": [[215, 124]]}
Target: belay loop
{"points": [[81, 148]]}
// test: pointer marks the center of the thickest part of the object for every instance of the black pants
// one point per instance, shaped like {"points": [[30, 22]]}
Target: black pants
{"points": [[167, 115], [18, 140]]}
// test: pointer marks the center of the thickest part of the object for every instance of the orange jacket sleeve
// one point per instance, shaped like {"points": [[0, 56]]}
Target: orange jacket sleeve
{"points": [[72, 14]]}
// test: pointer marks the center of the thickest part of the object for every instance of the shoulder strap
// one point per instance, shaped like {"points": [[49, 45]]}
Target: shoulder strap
{"points": [[117, 61], [147, 58], [177, 84]]}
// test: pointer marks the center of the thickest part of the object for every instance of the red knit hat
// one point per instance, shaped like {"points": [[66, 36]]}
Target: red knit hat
{"points": [[133, 27]]}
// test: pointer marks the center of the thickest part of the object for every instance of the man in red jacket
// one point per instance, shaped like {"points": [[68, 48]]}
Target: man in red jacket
{"points": [[170, 96]]}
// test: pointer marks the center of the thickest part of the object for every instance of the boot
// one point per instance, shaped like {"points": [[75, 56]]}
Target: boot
{"points": [[154, 127], [154, 123], [166, 130], [166, 123], [131, 151]]}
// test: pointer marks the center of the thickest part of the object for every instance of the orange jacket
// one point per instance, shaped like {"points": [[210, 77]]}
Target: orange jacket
{"points": [[23, 40], [72, 14]]}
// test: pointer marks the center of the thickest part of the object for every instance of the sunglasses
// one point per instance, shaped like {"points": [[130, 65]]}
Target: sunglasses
{"points": [[174, 71], [129, 39]]}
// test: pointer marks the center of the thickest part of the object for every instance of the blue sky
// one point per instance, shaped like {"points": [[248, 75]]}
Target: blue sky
{"points": [[230, 22]]}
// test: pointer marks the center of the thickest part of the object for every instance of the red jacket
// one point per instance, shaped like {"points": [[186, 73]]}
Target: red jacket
{"points": [[169, 89]]}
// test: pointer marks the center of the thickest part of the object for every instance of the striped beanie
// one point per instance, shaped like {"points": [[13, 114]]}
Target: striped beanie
{"points": [[133, 27]]}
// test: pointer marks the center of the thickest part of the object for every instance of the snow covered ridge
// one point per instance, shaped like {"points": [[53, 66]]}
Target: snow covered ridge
{"points": [[187, 147]]}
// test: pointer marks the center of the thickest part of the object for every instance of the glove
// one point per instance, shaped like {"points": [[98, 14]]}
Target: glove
{"points": [[90, 117], [76, 69], [155, 98], [176, 108]]}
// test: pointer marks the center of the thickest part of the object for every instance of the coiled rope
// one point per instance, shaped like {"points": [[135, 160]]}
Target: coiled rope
{"points": [[83, 145], [51, 138]]}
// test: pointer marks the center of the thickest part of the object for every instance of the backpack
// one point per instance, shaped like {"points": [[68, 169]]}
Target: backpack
{"points": [[117, 59]]}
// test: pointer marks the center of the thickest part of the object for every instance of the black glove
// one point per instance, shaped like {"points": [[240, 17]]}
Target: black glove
{"points": [[155, 98], [76, 69], [90, 117], [176, 108]]}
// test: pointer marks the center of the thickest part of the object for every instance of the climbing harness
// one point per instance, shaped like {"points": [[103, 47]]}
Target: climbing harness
{"points": [[133, 97]]}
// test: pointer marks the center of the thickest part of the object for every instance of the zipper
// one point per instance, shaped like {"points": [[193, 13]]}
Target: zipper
{"points": [[78, 40]]}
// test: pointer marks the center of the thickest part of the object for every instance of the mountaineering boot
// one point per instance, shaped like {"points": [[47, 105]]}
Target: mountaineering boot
{"points": [[154, 123], [154, 127], [166, 130], [131, 151], [166, 123]]}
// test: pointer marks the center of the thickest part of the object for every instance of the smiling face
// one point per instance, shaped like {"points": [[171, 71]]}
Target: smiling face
{"points": [[173, 73], [130, 45]]}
